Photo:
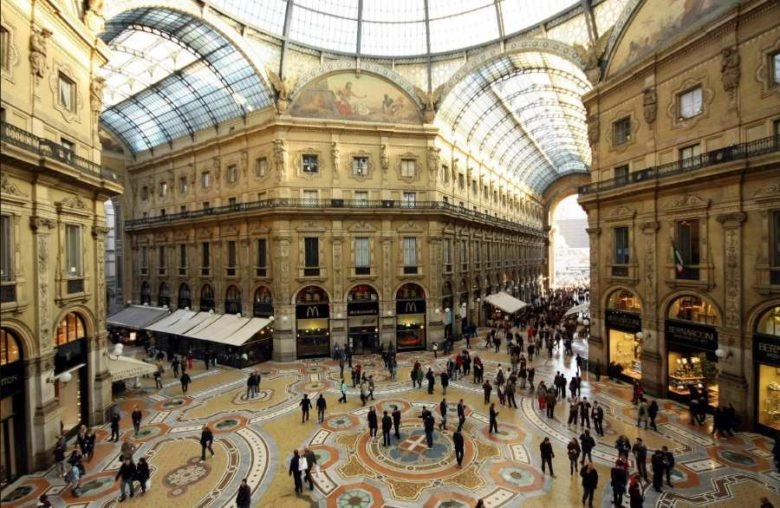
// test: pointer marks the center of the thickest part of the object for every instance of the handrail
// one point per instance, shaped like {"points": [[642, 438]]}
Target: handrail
{"points": [[47, 148], [718, 156], [320, 204]]}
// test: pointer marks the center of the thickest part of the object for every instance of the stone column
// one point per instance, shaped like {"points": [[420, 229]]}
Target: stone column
{"points": [[100, 395], [597, 353], [435, 326], [653, 368], [284, 338], [732, 382]]}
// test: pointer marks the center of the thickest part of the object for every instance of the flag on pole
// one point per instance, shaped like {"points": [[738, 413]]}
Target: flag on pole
{"points": [[678, 259]]}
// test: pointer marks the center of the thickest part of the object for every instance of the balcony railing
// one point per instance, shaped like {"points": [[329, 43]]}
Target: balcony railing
{"points": [[46, 148], [721, 155], [319, 204]]}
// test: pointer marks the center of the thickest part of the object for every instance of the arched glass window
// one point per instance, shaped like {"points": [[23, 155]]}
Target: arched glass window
{"points": [[232, 300], [769, 324], [624, 300], [185, 296], [206, 298], [10, 349], [263, 303], [164, 296], [70, 329], [146, 293], [693, 308]]}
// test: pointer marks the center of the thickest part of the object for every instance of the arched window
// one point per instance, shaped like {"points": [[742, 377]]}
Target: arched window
{"points": [[232, 300], [146, 293], [10, 349], [70, 329], [693, 308], [263, 304], [769, 324], [624, 300], [164, 295], [185, 296], [206, 298]]}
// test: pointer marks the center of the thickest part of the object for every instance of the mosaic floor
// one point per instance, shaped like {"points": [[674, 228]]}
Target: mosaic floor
{"points": [[254, 439]]}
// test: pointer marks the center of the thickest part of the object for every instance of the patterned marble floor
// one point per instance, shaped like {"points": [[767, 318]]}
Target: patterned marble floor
{"points": [[255, 439]]}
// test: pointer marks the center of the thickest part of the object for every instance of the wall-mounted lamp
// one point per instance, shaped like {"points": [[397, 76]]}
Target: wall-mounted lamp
{"points": [[390, 313], [116, 352], [723, 354], [447, 310], [639, 335], [65, 377], [339, 316], [284, 319]]}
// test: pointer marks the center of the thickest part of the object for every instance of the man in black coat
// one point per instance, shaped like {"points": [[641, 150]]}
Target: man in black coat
{"points": [[493, 419], [127, 472], [206, 440], [373, 422], [545, 448], [387, 425], [428, 423], [431, 379], [295, 471], [657, 464], [185, 381], [244, 496], [457, 441], [397, 422], [305, 404], [322, 405], [619, 483], [590, 480], [587, 443], [115, 425], [461, 414]]}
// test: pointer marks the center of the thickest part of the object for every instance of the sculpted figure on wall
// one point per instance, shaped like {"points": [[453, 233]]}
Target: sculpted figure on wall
{"points": [[591, 56], [96, 94], [335, 156], [729, 68], [430, 101], [650, 103], [384, 158], [283, 86], [434, 158], [38, 51], [593, 129], [280, 150]]}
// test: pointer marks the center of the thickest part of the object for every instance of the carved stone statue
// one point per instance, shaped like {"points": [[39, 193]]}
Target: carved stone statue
{"points": [[280, 150], [384, 158], [430, 101], [594, 131], [591, 56], [729, 69], [434, 157], [335, 156], [96, 94], [38, 51], [283, 87], [650, 103]]}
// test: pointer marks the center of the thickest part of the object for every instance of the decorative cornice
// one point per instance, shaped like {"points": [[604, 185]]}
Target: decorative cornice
{"points": [[9, 188], [731, 220], [37, 223]]}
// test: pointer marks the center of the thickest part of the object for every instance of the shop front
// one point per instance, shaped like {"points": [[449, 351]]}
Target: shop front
{"points": [[623, 323], [70, 372], [363, 319], [692, 361], [446, 307], [312, 315], [410, 318], [263, 304], [766, 355], [13, 435]]}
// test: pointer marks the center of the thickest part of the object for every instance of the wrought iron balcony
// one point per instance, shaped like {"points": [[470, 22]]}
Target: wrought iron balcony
{"points": [[304, 205], [49, 149], [682, 166]]}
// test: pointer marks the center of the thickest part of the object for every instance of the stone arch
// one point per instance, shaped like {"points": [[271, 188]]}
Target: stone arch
{"points": [[610, 290], [426, 293], [757, 312], [377, 292], [666, 302], [84, 313], [304, 286], [25, 336]]}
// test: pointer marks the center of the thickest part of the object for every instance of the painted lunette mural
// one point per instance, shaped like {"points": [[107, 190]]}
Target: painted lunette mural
{"points": [[366, 98], [659, 23]]}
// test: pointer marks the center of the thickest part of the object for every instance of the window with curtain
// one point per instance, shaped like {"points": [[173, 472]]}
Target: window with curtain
{"points": [[447, 248], [408, 200], [408, 168], [689, 103], [73, 250], [410, 255], [205, 259], [231, 258], [687, 255], [161, 260], [6, 248], [182, 259], [362, 256], [67, 92], [262, 258], [311, 247]]}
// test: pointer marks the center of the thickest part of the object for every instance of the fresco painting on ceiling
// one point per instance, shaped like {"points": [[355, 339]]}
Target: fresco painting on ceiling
{"points": [[346, 97], [658, 23]]}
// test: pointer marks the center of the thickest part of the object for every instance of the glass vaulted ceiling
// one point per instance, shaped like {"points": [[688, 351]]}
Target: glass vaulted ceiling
{"points": [[391, 28], [524, 112], [171, 75]]}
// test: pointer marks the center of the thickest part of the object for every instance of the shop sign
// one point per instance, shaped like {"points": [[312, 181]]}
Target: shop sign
{"points": [[313, 311], [410, 306], [12, 378], [767, 349], [624, 321], [684, 333], [363, 309]]}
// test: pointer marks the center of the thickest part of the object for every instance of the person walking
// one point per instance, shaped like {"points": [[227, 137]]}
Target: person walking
{"points": [[73, 477], [244, 495], [461, 414], [128, 449], [511, 388], [590, 481], [652, 412], [493, 419], [142, 473], [343, 391], [640, 456], [295, 472], [206, 440], [668, 461], [127, 472], [635, 496], [459, 445], [431, 378], [397, 422], [597, 414], [175, 365], [371, 387], [573, 451], [657, 464], [311, 461], [158, 377], [619, 482], [136, 416], [443, 413], [322, 405], [185, 380], [428, 423], [546, 450], [373, 422], [387, 426], [115, 418], [445, 382], [487, 388], [305, 404], [641, 413], [587, 443], [59, 459]]}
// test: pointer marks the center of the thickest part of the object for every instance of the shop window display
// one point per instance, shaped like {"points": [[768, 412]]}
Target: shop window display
{"points": [[769, 396], [693, 375], [766, 352], [625, 350]]}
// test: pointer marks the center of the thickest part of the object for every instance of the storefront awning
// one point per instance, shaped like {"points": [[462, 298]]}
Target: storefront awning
{"points": [[125, 367], [583, 307], [230, 329], [205, 320], [246, 332], [137, 317], [190, 320], [165, 323], [505, 302]]}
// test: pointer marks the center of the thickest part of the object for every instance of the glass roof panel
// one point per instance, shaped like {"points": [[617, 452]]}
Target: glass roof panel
{"points": [[268, 15], [400, 39], [322, 30], [521, 14], [447, 34], [396, 11]]}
